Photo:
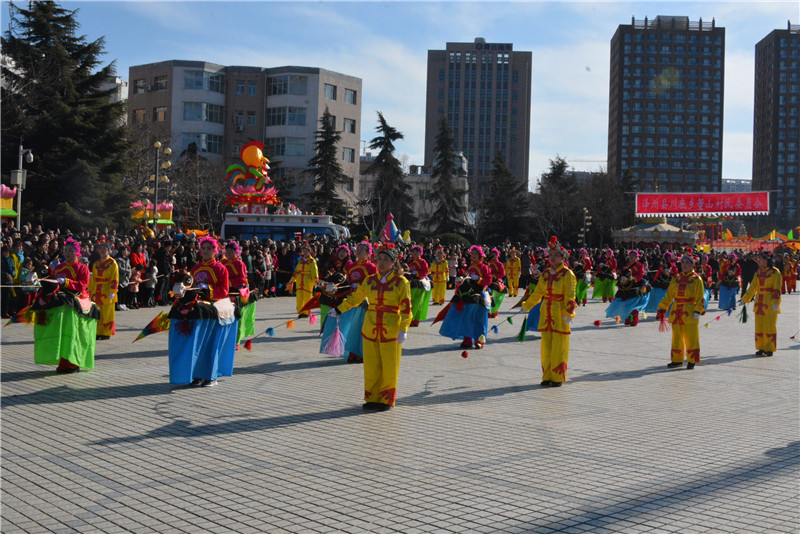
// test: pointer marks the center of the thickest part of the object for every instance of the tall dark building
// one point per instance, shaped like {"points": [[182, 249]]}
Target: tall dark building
{"points": [[665, 103], [776, 121], [484, 91]]}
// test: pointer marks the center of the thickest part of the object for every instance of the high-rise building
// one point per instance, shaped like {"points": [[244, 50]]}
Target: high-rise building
{"points": [[483, 90], [665, 103], [220, 108], [776, 121]]}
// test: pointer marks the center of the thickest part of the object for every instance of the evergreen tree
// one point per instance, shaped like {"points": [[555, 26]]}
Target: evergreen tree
{"points": [[326, 169], [505, 212], [53, 105], [557, 205], [449, 214], [390, 193]]}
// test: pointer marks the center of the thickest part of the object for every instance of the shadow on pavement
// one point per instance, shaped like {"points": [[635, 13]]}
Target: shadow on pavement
{"points": [[638, 373]]}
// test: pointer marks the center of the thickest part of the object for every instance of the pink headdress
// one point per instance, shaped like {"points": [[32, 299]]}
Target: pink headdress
{"points": [[668, 255], [366, 244], [342, 247], [583, 251], [211, 240], [732, 256], [417, 248], [232, 244], [495, 252], [74, 244], [478, 249], [633, 253]]}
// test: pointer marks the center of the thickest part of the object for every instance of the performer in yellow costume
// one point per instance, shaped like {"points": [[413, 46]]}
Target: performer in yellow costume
{"points": [[687, 292], [103, 288], [439, 273], [513, 272], [556, 291], [385, 328], [766, 289], [304, 279]]}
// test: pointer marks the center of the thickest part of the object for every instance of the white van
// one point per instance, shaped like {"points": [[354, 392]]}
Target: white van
{"points": [[280, 227]]}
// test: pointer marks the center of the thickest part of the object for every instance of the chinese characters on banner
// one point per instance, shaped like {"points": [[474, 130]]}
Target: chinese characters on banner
{"points": [[701, 204]]}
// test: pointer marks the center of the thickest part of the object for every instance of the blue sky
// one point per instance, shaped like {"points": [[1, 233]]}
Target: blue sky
{"points": [[386, 44]]}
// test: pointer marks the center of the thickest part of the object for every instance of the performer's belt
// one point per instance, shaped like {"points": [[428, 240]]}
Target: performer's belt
{"points": [[555, 297], [684, 300], [384, 308], [772, 291]]}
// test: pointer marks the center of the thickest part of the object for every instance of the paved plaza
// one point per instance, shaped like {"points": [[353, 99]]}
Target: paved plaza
{"points": [[474, 445]]}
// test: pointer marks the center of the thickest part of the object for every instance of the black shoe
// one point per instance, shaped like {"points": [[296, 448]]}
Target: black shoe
{"points": [[355, 359], [196, 382], [383, 407], [673, 365], [102, 338], [546, 383], [760, 353], [768, 353], [68, 371], [302, 316], [690, 365], [371, 405], [209, 383], [555, 384]]}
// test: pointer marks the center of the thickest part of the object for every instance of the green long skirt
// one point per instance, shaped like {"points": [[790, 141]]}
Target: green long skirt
{"points": [[66, 334], [247, 322]]}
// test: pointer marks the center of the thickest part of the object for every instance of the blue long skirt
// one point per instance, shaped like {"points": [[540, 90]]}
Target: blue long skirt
{"points": [[472, 321], [624, 308], [707, 297], [350, 324], [533, 318], [207, 351], [727, 297], [656, 296]]}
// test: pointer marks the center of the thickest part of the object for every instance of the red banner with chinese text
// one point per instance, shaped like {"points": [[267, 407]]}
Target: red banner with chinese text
{"points": [[701, 204]]}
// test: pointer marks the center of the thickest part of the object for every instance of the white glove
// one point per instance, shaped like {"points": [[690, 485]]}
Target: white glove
{"points": [[178, 290], [774, 307], [332, 313], [62, 281], [623, 279], [696, 315], [111, 296], [401, 336], [330, 288], [414, 272], [568, 319], [474, 276]]}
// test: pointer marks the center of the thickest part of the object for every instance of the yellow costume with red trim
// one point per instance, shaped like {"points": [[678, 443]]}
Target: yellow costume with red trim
{"points": [[789, 275], [439, 274], [305, 278], [513, 272], [766, 289], [389, 313], [103, 287], [688, 294], [556, 291]]}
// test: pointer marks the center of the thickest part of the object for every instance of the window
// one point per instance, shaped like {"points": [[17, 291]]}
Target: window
{"points": [[160, 114], [138, 116], [349, 126], [200, 80], [349, 155], [160, 83], [330, 91], [139, 86], [201, 111], [205, 142], [285, 146], [350, 96], [332, 121], [252, 88], [240, 88], [251, 118], [287, 85]]}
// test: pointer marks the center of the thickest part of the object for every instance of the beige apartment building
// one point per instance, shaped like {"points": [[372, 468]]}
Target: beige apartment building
{"points": [[220, 108]]}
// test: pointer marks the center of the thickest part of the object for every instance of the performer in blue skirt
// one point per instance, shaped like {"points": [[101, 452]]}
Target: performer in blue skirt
{"points": [[468, 312], [203, 324]]}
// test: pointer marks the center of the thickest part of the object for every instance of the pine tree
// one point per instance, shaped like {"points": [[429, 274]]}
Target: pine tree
{"points": [[449, 214], [53, 105], [390, 193], [557, 204], [505, 211], [326, 169]]}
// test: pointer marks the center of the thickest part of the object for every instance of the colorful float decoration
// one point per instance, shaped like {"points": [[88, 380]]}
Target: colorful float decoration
{"points": [[7, 195], [250, 197], [144, 213]]}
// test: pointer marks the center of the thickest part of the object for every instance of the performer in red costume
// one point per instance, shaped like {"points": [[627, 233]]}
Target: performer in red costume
{"points": [[497, 286], [417, 275]]}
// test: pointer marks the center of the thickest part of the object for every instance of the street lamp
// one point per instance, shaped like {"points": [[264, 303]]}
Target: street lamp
{"points": [[587, 223], [19, 178], [161, 178]]}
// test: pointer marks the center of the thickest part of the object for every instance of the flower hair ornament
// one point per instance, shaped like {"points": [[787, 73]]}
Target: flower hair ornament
{"points": [[207, 239], [234, 245], [367, 245], [389, 249], [478, 249], [555, 246], [74, 244]]}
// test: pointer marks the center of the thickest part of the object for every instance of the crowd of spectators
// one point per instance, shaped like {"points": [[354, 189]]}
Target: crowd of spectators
{"points": [[149, 264]]}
